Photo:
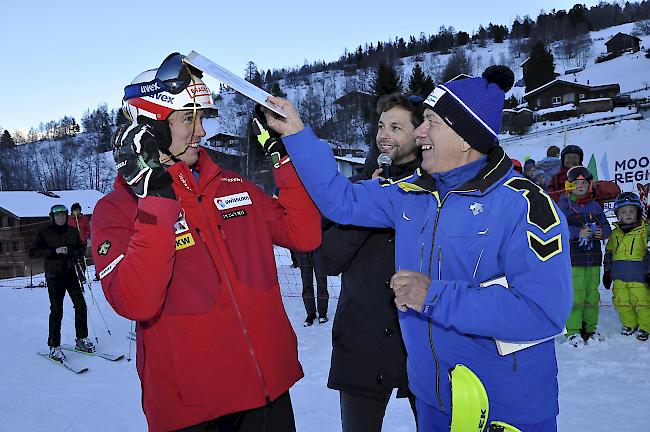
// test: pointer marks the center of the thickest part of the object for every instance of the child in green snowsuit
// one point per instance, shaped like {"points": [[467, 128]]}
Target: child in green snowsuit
{"points": [[627, 263]]}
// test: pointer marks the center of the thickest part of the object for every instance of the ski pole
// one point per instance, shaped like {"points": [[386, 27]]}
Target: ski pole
{"points": [[92, 325], [101, 315], [76, 219], [130, 341], [92, 295], [90, 316]]}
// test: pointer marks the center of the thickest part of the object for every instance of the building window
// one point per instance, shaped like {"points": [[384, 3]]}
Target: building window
{"points": [[539, 102], [557, 100], [581, 96]]}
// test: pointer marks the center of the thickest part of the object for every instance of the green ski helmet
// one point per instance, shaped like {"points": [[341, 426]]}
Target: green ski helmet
{"points": [[469, 401], [57, 208], [469, 404]]}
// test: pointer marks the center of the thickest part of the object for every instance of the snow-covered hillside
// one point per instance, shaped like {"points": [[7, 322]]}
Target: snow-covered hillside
{"points": [[631, 71], [63, 164], [603, 388]]}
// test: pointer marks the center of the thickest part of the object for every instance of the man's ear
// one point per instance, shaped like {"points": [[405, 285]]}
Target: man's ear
{"points": [[464, 146]]}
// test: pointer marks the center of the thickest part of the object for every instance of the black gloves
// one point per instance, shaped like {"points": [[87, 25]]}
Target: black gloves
{"points": [[270, 140], [607, 279], [137, 159]]}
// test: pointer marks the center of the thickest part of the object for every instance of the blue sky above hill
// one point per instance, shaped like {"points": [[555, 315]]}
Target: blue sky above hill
{"points": [[61, 58]]}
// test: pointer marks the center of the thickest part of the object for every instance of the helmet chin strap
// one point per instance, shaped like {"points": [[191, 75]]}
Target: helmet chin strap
{"points": [[171, 156], [175, 156]]}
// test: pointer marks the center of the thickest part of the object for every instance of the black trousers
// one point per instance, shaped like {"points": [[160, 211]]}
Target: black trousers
{"points": [[307, 271], [56, 288], [277, 416], [365, 414]]}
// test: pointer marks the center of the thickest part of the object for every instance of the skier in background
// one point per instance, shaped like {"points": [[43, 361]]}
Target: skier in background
{"points": [[59, 244], [80, 221], [186, 249], [312, 303]]}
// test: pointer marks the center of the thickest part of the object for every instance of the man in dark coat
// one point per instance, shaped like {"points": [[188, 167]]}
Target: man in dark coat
{"points": [[59, 244], [368, 355]]}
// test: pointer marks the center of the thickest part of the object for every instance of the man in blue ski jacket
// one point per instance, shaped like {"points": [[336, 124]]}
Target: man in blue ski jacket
{"points": [[481, 253]]}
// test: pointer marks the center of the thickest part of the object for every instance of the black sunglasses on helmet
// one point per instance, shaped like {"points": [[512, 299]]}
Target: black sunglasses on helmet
{"points": [[173, 76], [579, 173]]}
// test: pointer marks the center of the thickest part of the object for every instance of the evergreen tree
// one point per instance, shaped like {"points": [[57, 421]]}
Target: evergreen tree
{"points": [[258, 79], [276, 90], [119, 118], [540, 68], [462, 38], [416, 81], [458, 63], [419, 83], [386, 81], [98, 124], [310, 108], [6, 141], [429, 85], [251, 71]]}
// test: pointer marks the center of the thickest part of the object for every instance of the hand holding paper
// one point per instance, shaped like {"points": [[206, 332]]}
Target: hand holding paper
{"points": [[289, 125]]}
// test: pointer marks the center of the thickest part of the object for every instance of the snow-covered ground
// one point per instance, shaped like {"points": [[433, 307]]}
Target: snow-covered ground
{"points": [[602, 388]]}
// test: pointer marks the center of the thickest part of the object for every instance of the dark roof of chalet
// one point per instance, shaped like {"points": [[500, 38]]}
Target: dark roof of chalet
{"points": [[559, 81], [360, 93], [524, 62], [222, 135], [573, 70], [621, 35]]}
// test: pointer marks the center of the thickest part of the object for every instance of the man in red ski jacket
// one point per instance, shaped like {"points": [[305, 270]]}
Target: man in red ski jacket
{"points": [[186, 249], [79, 221]]}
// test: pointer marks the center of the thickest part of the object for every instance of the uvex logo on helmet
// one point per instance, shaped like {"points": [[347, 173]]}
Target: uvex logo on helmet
{"points": [[163, 97], [150, 87]]}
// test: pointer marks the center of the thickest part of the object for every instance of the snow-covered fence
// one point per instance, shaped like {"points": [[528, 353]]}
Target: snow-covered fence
{"points": [[15, 242]]}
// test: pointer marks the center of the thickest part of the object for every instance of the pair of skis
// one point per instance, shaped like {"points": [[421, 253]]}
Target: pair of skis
{"points": [[72, 366]]}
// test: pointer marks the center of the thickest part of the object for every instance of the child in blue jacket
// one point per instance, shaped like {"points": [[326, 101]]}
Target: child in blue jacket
{"points": [[587, 227]]}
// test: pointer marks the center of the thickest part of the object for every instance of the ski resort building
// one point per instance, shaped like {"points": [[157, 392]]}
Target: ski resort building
{"points": [[22, 215]]}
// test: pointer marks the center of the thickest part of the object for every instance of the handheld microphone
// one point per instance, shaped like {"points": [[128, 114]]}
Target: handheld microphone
{"points": [[384, 161]]}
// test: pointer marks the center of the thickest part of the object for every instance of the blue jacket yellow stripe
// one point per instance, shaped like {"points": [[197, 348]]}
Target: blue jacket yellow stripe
{"points": [[498, 225]]}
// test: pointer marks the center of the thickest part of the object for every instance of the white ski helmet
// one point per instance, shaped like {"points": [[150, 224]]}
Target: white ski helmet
{"points": [[173, 86]]}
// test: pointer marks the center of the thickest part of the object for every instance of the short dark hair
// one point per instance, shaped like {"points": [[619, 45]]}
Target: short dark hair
{"points": [[553, 151], [401, 101], [75, 206]]}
